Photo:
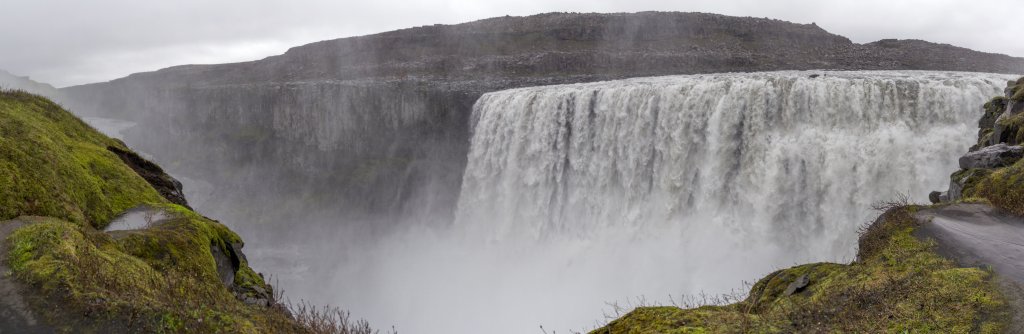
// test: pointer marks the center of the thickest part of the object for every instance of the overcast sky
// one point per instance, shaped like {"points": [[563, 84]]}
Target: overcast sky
{"points": [[68, 42]]}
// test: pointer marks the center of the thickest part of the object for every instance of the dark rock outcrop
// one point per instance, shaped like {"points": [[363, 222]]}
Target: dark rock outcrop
{"points": [[999, 155], [229, 260], [797, 285], [166, 185], [997, 147]]}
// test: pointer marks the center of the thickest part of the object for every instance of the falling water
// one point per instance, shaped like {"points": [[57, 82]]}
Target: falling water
{"points": [[576, 195]]}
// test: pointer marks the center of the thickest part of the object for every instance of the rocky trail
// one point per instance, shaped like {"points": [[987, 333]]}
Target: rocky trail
{"points": [[15, 315], [980, 235], [977, 234]]}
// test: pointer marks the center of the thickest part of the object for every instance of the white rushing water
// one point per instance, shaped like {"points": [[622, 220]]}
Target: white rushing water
{"points": [[577, 195], [778, 160]]}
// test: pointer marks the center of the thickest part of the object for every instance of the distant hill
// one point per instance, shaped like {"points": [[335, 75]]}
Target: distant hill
{"points": [[563, 47], [11, 81]]}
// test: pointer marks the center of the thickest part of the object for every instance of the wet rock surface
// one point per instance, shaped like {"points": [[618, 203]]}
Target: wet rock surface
{"points": [[137, 218], [166, 185], [229, 259], [999, 155], [976, 235], [797, 285]]}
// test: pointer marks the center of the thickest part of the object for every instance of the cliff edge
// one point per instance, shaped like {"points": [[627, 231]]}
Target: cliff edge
{"points": [[64, 267]]}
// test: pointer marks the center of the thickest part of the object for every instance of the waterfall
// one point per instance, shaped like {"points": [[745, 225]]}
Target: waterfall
{"points": [[783, 158], [575, 196]]}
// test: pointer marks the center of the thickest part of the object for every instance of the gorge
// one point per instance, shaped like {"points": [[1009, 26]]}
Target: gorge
{"points": [[518, 172], [578, 195]]}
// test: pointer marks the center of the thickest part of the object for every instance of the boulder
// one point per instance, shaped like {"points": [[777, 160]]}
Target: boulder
{"points": [[993, 109], [999, 155], [956, 189], [935, 197], [227, 265], [1014, 107], [798, 285]]}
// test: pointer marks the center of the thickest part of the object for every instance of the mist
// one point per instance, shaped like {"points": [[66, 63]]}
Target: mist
{"points": [[707, 196]]}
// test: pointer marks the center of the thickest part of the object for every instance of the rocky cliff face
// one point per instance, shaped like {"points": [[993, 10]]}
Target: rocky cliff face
{"points": [[387, 114], [991, 169]]}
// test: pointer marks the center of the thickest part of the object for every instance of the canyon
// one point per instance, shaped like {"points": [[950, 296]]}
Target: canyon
{"points": [[546, 165]]}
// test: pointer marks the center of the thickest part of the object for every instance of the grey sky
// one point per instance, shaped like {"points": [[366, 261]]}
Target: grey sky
{"points": [[67, 42]]}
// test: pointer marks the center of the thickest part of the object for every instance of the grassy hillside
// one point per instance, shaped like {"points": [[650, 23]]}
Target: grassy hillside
{"points": [[62, 183], [52, 164]]}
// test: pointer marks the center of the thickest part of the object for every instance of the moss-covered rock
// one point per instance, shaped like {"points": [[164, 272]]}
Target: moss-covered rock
{"points": [[193, 243], [62, 182], [993, 108], [1003, 188], [963, 182], [1016, 91], [163, 278], [1010, 130], [897, 285]]}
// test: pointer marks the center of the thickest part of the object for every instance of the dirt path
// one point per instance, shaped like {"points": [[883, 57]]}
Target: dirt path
{"points": [[15, 315], [978, 235]]}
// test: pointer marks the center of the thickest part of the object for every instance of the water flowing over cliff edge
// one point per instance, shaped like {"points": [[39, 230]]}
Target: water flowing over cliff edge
{"points": [[582, 194]]}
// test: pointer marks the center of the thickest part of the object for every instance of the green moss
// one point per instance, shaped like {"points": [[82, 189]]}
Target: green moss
{"points": [[165, 273], [658, 320], [1013, 126], [970, 178], [993, 108], [1017, 92], [897, 285], [185, 242], [996, 105], [1004, 188], [59, 177], [52, 164]]}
